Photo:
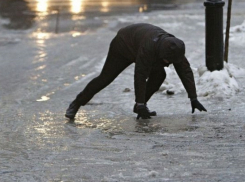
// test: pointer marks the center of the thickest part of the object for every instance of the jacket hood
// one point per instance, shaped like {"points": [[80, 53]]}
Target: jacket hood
{"points": [[172, 49]]}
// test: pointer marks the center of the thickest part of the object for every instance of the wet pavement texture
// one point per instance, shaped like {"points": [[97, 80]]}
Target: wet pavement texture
{"points": [[40, 74]]}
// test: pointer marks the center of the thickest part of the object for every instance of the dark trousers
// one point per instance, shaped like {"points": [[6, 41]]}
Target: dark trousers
{"points": [[115, 63]]}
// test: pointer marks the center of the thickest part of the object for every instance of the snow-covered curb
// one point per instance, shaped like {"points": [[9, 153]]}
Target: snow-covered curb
{"points": [[219, 83], [209, 84]]}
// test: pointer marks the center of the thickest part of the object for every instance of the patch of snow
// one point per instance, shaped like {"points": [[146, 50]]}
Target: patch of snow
{"points": [[219, 83], [201, 24], [209, 84], [153, 174], [134, 19], [237, 34], [238, 28], [234, 70], [172, 82], [170, 25]]}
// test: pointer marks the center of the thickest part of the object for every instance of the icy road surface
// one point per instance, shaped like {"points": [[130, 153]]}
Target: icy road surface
{"points": [[41, 73]]}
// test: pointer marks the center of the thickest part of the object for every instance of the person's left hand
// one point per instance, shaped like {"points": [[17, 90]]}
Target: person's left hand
{"points": [[195, 104], [143, 112]]}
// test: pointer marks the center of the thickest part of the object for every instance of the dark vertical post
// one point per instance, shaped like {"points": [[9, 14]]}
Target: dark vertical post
{"points": [[227, 33], [214, 34]]}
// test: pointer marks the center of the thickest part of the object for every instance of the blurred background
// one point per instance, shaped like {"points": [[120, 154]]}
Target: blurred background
{"points": [[73, 15]]}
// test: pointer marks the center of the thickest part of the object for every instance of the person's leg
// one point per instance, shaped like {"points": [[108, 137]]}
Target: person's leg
{"points": [[154, 82], [113, 66]]}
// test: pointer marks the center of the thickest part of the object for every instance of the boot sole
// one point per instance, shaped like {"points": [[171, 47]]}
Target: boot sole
{"points": [[151, 113], [70, 116]]}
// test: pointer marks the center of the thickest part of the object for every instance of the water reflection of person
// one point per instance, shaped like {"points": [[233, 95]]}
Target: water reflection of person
{"points": [[151, 49], [18, 13]]}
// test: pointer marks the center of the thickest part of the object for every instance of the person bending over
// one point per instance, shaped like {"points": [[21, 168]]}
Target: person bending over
{"points": [[151, 49]]}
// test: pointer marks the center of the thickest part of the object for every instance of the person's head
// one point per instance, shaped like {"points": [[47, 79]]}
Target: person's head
{"points": [[172, 50]]}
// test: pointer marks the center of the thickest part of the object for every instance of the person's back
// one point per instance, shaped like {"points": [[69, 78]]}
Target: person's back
{"points": [[137, 34]]}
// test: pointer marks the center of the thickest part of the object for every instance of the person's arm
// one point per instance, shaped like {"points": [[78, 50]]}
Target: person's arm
{"points": [[143, 67], [185, 73]]}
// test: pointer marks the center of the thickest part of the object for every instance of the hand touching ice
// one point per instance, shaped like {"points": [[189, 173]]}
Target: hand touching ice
{"points": [[195, 104]]}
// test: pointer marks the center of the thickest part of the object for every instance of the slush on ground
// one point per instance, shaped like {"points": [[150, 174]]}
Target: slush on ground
{"points": [[41, 72]]}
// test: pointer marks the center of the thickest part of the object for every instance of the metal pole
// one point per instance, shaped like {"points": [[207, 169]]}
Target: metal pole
{"points": [[214, 34], [227, 33]]}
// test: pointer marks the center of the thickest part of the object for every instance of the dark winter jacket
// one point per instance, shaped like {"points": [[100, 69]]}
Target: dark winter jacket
{"points": [[141, 42]]}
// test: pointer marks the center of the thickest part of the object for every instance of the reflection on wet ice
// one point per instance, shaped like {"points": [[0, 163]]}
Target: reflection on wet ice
{"points": [[79, 77], [41, 45], [40, 56], [167, 124], [41, 67], [43, 131], [43, 98], [164, 124], [35, 77]]}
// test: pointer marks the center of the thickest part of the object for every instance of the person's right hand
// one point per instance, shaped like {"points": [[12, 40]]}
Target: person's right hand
{"points": [[195, 104], [143, 112]]}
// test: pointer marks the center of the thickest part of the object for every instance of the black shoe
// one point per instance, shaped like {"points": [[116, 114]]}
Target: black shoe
{"points": [[152, 113], [72, 110]]}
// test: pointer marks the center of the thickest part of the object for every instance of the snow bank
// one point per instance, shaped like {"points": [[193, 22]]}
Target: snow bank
{"points": [[222, 83], [234, 70], [209, 84], [237, 34], [219, 83], [238, 28]]}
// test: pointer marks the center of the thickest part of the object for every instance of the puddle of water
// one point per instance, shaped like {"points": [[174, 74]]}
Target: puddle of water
{"points": [[164, 124]]}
